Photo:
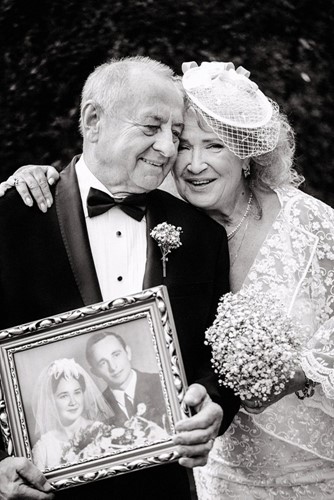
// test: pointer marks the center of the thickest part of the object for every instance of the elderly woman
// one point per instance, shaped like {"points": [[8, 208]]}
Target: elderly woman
{"points": [[235, 162]]}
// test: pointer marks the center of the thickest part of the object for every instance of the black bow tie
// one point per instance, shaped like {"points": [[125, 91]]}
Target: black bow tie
{"points": [[99, 202]]}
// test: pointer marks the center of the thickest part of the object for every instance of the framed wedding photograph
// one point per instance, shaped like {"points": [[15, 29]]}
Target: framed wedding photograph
{"points": [[94, 392]]}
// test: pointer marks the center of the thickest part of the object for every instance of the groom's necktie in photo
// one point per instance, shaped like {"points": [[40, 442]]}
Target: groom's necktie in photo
{"points": [[129, 406], [99, 202]]}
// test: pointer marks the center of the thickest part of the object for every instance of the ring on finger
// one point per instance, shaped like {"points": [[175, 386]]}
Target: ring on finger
{"points": [[16, 181]]}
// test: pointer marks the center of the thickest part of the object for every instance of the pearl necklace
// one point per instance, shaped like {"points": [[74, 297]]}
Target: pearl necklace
{"points": [[232, 261], [238, 226]]}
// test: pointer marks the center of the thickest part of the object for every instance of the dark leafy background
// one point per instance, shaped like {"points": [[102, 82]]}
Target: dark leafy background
{"points": [[48, 48]]}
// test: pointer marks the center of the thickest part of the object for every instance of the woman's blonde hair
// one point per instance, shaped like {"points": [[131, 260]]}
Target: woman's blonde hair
{"points": [[273, 169], [276, 168]]}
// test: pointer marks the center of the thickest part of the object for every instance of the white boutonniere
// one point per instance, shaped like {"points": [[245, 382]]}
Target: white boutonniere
{"points": [[168, 238], [141, 409]]}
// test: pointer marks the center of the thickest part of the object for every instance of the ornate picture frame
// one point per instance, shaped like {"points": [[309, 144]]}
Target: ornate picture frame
{"points": [[55, 351]]}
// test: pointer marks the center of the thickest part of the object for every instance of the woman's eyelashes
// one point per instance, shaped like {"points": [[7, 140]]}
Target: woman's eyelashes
{"points": [[215, 145], [211, 146]]}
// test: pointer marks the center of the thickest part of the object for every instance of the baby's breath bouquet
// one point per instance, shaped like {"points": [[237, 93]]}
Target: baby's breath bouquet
{"points": [[168, 238], [255, 344]]}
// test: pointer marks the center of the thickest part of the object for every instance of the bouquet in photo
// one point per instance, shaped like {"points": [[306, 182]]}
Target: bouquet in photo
{"points": [[95, 439], [255, 345], [99, 439]]}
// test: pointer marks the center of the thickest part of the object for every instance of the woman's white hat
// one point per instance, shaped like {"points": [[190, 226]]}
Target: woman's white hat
{"points": [[233, 106]]}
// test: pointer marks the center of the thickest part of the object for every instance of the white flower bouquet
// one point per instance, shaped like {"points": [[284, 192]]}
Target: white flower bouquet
{"points": [[99, 439], [255, 345]]}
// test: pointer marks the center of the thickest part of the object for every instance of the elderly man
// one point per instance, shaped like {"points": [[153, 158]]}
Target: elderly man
{"points": [[78, 254]]}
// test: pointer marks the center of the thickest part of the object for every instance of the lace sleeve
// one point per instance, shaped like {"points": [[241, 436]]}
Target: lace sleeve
{"points": [[39, 454], [298, 261], [318, 360]]}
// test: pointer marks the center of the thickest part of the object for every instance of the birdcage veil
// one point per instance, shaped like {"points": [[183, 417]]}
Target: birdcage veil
{"points": [[233, 106], [43, 402]]}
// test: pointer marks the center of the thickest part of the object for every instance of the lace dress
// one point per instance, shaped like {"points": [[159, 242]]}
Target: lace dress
{"points": [[48, 450], [287, 452]]}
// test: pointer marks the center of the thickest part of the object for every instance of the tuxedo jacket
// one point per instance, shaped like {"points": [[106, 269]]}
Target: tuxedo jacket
{"points": [[148, 391], [46, 268]]}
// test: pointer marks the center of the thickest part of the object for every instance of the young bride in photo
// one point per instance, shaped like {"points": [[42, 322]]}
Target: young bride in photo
{"points": [[66, 401]]}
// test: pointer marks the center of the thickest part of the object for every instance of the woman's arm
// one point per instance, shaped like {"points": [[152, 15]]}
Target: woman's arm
{"points": [[317, 359]]}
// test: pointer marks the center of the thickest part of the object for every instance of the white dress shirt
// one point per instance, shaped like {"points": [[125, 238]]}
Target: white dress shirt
{"points": [[118, 242]]}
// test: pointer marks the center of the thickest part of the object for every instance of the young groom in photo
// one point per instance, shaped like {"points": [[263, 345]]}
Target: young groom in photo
{"points": [[129, 392]]}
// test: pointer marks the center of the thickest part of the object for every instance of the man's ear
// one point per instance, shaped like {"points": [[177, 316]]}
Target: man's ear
{"points": [[91, 115], [128, 352]]}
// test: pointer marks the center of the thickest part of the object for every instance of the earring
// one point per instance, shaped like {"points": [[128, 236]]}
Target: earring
{"points": [[246, 170]]}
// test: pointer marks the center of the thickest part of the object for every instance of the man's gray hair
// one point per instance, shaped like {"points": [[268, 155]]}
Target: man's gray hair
{"points": [[108, 85]]}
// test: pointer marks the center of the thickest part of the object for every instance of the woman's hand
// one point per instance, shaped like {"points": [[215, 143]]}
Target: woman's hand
{"points": [[296, 383], [32, 183]]}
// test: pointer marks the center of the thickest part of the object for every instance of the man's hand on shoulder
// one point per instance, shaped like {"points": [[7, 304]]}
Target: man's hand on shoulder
{"points": [[20, 479], [195, 435], [32, 183]]}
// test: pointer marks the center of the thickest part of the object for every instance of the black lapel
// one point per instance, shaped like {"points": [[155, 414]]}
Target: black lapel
{"points": [[153, 271], [110, 398], [119, 415], [74, 233]]}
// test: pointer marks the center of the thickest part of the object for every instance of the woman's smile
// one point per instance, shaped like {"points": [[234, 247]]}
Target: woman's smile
{"points": [[200, 183]]}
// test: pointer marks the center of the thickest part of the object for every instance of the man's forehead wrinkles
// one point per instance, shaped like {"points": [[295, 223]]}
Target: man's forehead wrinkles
{"points": [[159, 112], [164, 119], [158, 118], [155, 116], [159, 115]]}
